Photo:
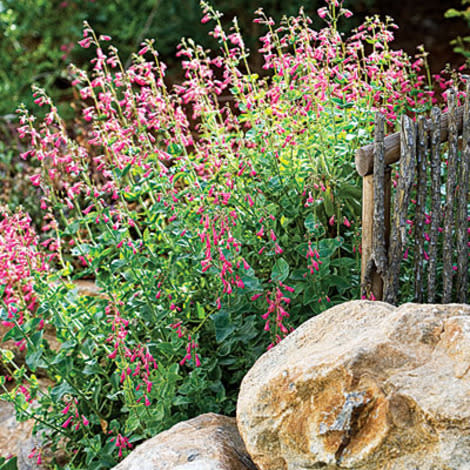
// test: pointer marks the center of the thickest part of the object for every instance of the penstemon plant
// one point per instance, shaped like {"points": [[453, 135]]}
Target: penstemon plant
{"points": [[214, 217]]}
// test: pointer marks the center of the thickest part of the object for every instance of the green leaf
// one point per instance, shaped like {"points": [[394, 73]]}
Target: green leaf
{"points": [[251, 283], [33, 359], [60, 390], [452, 13], [328, 246], [310, 293], [223, 325], [313, 225], [200, 311], [14, 333], [328, 203], [280, 270], [36, 338], [181, 400], [338, 281], [174, 149], [10, 464]]}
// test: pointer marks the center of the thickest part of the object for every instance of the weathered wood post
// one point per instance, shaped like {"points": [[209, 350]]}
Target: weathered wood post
{"points": [[463, 197], [451, 185], [371, 281], [435, 136], [402, 200], [375, 215]]}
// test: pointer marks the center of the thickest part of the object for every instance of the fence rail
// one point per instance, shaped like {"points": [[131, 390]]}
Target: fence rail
{"points": [[418, 147]]}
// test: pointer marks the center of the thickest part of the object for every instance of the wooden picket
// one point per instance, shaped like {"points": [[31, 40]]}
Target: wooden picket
{"points": [[417, 148]]}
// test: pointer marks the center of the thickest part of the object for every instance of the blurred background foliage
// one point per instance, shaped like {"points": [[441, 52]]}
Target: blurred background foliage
{"points": [[461, 43], [38, 38]]}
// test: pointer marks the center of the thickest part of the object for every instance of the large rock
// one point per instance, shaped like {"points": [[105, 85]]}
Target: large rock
{"points": [[12, 433], [208, 442], [364, 385]]}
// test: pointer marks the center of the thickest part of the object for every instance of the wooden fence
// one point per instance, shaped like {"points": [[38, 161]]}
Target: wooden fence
{"points": [[439, 221]]}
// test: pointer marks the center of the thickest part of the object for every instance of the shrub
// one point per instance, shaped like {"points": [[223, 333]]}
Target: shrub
{"points": [[212, 229]]}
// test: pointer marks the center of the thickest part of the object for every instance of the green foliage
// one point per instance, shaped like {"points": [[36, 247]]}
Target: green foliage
{"points": [[8, 464], [461, 44]]}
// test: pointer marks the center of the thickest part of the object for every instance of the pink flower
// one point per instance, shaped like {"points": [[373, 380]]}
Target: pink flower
{"points": [[35, 180], [322, 12], [67, 422], [85, 43]]}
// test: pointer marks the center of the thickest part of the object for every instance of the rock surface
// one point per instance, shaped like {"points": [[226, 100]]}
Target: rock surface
{"points": [[363, 386], [208, 442], [12, 433]]}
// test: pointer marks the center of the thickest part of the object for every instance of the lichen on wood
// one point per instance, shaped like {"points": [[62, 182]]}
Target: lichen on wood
{"points": [[451, 184], [462, 205], [435, 200], [379, 253], [402, 199], [421, 157]]}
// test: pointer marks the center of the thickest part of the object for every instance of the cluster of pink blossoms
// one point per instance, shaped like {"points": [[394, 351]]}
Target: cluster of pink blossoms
{"points": [[121, 442], [20, 258], [73, 417], [135, 362]]}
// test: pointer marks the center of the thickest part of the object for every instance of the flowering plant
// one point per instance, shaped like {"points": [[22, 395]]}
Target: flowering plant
{"points": [[214, 217]]}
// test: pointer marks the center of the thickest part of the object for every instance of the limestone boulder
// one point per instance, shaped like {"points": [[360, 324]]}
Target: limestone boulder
{"points": [[208, 442], [363, 386]]}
